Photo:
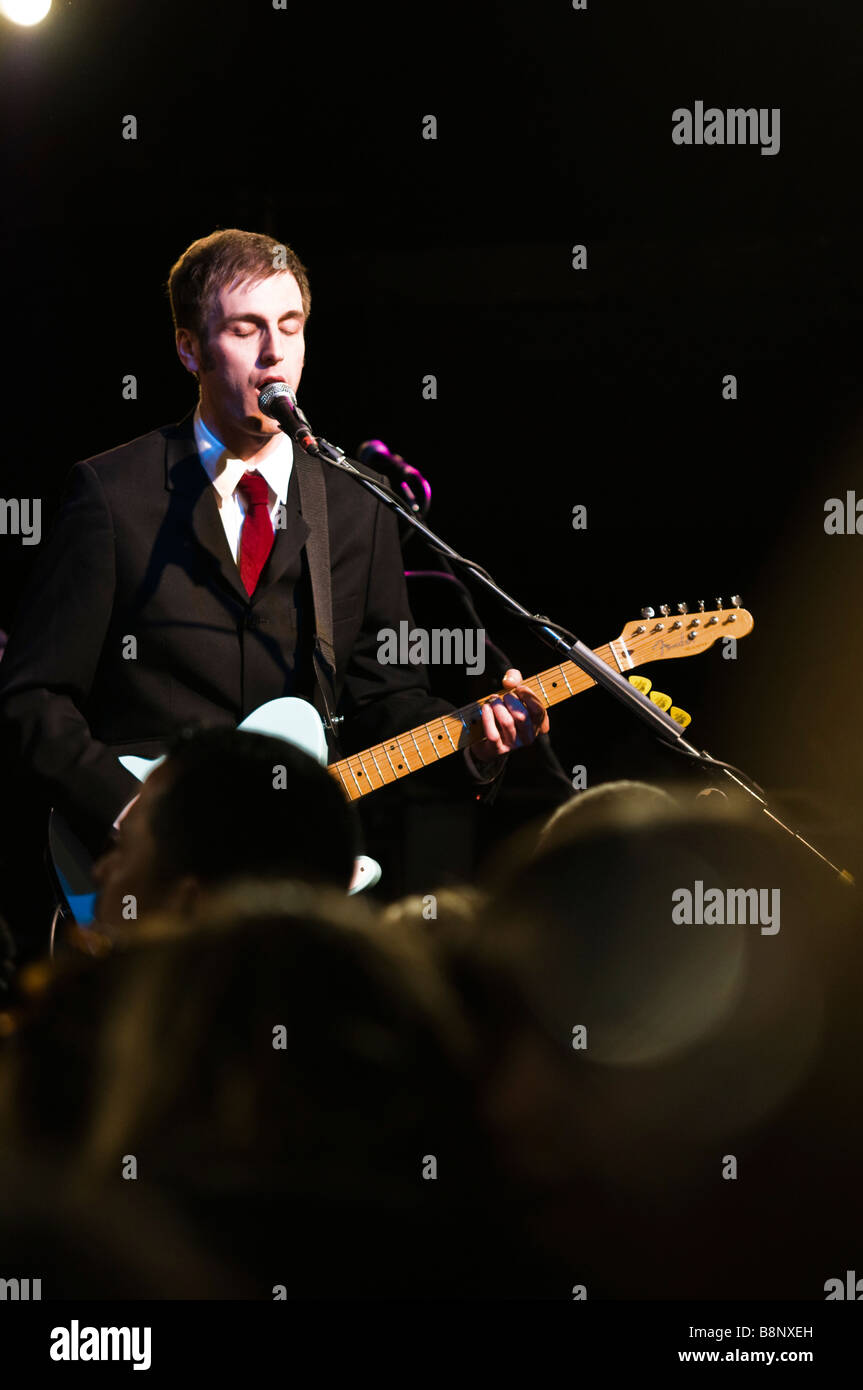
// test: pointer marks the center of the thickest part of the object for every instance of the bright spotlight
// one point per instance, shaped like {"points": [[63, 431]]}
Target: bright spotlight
{"points": [[25, 11]]}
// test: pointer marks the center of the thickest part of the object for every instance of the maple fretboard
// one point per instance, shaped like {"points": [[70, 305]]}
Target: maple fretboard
{"points": [[376, 767]]}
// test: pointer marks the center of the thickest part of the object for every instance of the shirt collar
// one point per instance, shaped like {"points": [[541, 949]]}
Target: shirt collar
{"points": [[225, 472]]}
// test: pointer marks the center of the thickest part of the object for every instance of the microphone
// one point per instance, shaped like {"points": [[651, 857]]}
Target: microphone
{"points": [[279, 402], [375, 454]]}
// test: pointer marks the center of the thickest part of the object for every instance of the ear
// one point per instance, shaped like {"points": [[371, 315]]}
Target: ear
{"points": [[188, 350]]}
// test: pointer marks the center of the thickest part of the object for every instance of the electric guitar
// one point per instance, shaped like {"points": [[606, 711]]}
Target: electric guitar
{"points": [[653, 638]]}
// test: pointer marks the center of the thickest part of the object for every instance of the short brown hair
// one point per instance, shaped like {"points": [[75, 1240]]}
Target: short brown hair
{"points": [[221, 259]]}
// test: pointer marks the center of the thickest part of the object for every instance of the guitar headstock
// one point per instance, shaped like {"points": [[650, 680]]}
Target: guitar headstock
{"points": [[665, 634]]}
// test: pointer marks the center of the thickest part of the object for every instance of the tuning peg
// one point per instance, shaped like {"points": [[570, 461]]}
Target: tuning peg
{"points": [[647, 613], [664, 609], [736, 600], [719, 604], [701, 605], [683, 607]]}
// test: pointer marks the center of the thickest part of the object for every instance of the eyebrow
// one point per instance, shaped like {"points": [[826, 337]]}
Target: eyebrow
{"points": [[259, 318]]}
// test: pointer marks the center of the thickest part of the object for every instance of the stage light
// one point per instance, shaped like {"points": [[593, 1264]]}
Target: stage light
{"points": [[25, 11]]}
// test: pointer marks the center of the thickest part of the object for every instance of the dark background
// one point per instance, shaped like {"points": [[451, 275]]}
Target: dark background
{"points": [[453, 257]]}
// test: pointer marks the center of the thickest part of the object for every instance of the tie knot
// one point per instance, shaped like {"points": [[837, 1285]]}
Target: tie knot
{"points": [[254, 487]]}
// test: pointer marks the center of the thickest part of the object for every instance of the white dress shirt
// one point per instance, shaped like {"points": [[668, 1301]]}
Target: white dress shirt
{"points": [[225, 473]]}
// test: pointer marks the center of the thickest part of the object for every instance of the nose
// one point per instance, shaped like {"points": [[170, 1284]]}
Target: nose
{"points": [[271, 350]]}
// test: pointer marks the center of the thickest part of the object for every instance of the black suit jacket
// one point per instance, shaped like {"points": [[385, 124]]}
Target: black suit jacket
{"points": [[138, 562]]}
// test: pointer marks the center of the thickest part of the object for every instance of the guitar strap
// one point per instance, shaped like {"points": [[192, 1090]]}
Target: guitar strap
{"points": [[313, 505]]}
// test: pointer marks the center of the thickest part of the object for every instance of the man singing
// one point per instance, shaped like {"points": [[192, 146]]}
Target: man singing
{"points": [[178, 585]]}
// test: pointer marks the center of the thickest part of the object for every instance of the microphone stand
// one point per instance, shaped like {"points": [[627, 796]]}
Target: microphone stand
{"points": [[563, 641]]}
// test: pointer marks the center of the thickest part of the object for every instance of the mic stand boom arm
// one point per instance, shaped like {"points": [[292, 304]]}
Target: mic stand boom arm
{"points": [[669, 732]]}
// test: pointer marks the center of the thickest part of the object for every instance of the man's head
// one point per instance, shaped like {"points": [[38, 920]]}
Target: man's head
{"points": [[240, 302], [219, 808]]}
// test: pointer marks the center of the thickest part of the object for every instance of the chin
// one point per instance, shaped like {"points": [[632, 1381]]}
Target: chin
{"points": [[258, 424]]}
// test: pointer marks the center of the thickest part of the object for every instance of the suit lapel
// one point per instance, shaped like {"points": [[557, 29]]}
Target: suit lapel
{"points": [[185, 475]]}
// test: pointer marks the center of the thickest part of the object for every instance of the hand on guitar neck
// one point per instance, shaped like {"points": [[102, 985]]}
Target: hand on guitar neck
{"points": [[512, 722]]}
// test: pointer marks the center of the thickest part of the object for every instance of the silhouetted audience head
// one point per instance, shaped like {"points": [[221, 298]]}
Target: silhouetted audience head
{"points": [[684, 975], [636, 1047], [294, 1083], [225, 803], [634, 799], [446, 909]]}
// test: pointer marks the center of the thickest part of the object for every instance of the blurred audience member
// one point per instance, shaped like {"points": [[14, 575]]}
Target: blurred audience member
{"points": [[224, 803], [647, 1051], [448, 905], [629, 798], [297, 1086]]}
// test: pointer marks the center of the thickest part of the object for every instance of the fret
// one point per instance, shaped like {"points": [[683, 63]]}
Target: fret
{"points": [[605, 654], [377, 769], [356, 783], [407, 766], [564, 681], [431, 740], [389, 760], [543, 689], [364, 772], [556, 693], [417, 747], [446, 723]]}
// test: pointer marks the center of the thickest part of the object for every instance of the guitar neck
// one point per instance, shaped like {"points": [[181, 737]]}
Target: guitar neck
{"points": [[376, 767]]}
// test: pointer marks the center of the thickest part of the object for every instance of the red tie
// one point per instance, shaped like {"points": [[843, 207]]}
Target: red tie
{"points": [[257, 535]]}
